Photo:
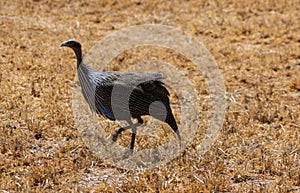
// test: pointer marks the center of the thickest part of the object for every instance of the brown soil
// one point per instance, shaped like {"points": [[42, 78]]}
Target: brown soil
{"points": [[255, 43]]}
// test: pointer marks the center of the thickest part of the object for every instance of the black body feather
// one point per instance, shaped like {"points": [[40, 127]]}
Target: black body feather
{"points": [[146, 94]]}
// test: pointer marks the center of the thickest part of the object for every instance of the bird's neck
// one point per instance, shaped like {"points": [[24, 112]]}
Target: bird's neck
{"points": [[79, 57]]}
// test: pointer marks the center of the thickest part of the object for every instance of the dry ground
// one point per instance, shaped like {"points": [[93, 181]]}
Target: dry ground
{"points": [[255, 43]]}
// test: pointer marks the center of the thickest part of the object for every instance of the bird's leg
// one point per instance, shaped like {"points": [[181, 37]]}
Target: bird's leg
{"points": [[140, 120], [118, 131], [133, 134]]}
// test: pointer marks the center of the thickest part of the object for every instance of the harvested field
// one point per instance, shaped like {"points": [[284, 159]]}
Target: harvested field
{"points": [[256, 45]]}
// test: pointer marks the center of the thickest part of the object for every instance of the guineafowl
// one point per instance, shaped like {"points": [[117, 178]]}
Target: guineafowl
{"points": [[105, 92]]}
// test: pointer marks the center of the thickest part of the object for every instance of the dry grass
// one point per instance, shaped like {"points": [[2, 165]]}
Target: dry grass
{"points": [[255, 43]]}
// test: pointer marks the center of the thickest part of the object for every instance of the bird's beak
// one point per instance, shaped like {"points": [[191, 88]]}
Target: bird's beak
{"points": [[63, 44]]}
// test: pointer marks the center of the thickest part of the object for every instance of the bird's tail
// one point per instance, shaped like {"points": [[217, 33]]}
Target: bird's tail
{"points": [[171, 121]]}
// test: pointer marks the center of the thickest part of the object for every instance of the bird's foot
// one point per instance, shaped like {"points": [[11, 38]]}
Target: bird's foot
{"points": [[140, 120], [117, 132], [114, 137]]}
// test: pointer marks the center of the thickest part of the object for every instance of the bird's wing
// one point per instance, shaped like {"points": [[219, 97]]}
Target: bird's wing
{"points": [[134, 79], [141, 91]]}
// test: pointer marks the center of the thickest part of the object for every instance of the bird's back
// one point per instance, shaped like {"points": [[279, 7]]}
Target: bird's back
{"points": [[144, 88]]}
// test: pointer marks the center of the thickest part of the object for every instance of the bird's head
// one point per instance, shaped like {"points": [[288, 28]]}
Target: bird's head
{"points": [[71, 44], [76, 47]]}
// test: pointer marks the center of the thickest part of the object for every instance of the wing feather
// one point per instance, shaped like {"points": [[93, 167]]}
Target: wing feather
{"points": [[146, 88]]}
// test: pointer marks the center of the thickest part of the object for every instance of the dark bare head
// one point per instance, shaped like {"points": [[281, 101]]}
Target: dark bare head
{"points": [[71, 44], [76, 47]]}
